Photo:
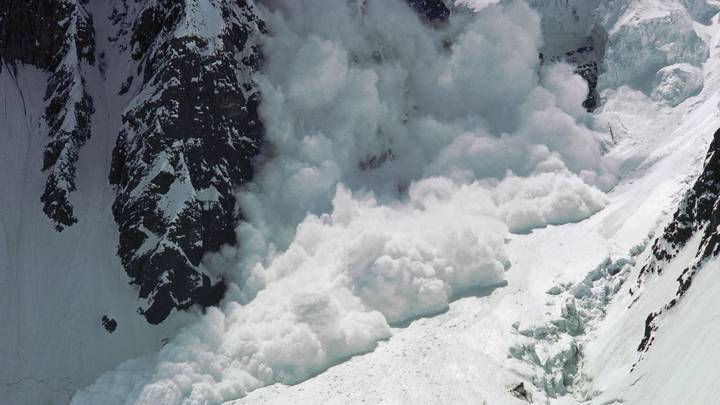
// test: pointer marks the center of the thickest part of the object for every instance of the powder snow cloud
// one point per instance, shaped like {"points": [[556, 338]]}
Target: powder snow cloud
{"points": [[400, 156]]}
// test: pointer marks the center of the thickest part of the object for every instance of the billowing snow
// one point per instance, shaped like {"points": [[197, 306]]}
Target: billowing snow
{"points": [[462, 356], [438, 210], [413, 150]]}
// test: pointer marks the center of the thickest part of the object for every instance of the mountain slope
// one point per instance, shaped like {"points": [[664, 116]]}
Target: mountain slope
{"points": [[189, 135], [587, 351], [129, 124], [73, 122], [463, 355], [423, 203]]}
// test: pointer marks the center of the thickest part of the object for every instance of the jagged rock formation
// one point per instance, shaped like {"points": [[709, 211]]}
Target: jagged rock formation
{"points": [[30, 34], [188, 138], [68, 114], [587, 61], [586, 65], [698, 212], [58, 37], [432, 10], [587, 58], [190, 127]]}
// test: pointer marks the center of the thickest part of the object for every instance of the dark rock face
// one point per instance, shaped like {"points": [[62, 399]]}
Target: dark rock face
{"points": [[190, 129], [590, 72], [698, 211], [57, 36], [68, 115], [109, 324], [188, 138], [30, 33], [433, 10], [521, 392]]}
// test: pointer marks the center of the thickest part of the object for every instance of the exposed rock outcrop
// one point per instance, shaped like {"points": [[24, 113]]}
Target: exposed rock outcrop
{"points": [[59, 37], [698, 213], [189, 137]]}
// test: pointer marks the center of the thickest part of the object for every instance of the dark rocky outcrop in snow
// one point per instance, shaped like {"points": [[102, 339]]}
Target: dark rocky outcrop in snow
{"points": [[30, 33], [109, 324], [190, 127], [188, 138], [520, 392], [698, 212], [432, 10], [57, 36], [68, 114]]}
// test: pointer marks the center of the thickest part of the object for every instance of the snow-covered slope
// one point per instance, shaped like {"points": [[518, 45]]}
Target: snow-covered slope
{"points": [[66, 86], [414, 201], [57, 286], [464, 355], [662, 326], [565, 327]]}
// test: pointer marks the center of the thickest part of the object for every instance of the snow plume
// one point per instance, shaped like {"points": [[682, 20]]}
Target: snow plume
{"points": [[400, 157], [342, 279]]}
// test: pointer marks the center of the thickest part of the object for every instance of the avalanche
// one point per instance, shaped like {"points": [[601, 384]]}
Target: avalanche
{"points": [[566, 327], [435, 201], [414, 150]]}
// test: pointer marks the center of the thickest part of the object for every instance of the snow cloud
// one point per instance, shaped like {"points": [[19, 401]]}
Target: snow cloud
{"points": [[332, 294], [400, 156]]}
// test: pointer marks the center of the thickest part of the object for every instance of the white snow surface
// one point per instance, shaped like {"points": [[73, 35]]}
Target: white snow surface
{"points": [[675, 83], [57, 286]]}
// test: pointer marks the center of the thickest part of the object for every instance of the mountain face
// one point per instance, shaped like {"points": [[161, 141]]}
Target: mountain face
{"points": [[432, 10], [698, 216], [696, 213], [158, 98], [190, 127], [57, 37], [587, 60], [576, 35], [188, 137], [189, 133]]}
